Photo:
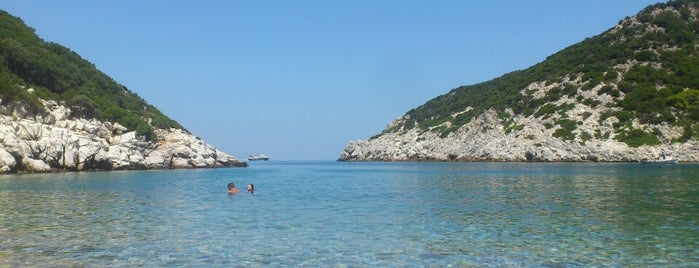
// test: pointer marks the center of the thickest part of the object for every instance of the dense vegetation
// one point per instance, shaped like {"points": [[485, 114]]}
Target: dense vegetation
{"points": [[57, 73], [649, 65]]}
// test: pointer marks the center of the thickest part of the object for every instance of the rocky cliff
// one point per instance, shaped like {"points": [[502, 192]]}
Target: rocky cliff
{"points": [[54, 141], [624, 95], [486, 139]]}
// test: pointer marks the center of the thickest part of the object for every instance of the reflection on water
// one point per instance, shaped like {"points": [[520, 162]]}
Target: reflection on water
{"points": [[356, 214]]}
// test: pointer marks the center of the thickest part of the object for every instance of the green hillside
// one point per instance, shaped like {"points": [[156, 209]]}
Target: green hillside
{"points": [[57, 73], [648, 63]]}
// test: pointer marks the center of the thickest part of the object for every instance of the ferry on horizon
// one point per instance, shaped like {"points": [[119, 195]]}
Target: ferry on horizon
{"points": [[258, 157]]}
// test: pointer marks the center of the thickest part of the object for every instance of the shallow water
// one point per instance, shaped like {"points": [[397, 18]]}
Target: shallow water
{"points": [[328, 214]]}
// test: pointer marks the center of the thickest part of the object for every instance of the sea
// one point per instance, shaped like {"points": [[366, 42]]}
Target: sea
{"points": [[340, 214]]}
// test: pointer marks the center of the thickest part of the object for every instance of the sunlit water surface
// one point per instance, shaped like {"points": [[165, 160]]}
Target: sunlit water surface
{"points": [[328, 214]]}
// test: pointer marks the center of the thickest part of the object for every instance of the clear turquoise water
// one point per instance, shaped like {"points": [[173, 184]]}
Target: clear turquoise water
{"points": [[328, 214]]}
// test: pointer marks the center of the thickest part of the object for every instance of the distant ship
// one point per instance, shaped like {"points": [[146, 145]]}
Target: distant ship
{"points": [[257, 157]]}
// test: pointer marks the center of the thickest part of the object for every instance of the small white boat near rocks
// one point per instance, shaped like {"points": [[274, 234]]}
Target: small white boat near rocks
{"points": [[664, 159], [659, 161]]}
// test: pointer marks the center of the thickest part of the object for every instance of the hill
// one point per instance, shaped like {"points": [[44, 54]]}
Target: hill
{"points": [[59, 112], [57, 73], [622, 95]]}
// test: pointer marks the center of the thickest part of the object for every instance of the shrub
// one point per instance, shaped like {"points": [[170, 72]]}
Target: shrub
{"points": [[637, 137], [564, 134]]}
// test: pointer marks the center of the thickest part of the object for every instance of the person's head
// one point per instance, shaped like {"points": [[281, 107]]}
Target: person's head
{"points": [[251, 188], [231, 186]]}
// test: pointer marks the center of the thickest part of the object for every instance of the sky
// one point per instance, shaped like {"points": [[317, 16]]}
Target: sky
{"points": [[299, 79]]}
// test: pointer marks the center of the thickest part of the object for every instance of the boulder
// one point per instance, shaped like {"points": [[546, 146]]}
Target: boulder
{"points": [[35, 165], [178, 162], [7, 161]]}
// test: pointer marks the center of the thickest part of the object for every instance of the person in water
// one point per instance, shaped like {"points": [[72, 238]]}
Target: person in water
{"points": [[251, 188], [232, 189]]}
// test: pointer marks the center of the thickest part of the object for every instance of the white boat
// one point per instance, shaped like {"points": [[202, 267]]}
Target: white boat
{"points": [[659, 161], [258, 157], [664, 159]]}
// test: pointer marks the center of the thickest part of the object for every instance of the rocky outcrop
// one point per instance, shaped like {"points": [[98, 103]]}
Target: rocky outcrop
{"points": [[485, 138], [53, 141]]}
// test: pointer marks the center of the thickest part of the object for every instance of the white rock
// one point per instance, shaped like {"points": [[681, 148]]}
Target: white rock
{"points": [[7, 161], [155, 160], [119, 129], [178, 162], [35, 165]]}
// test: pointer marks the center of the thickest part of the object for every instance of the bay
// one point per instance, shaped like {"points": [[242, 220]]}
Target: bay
{"points": [[336, 214]]}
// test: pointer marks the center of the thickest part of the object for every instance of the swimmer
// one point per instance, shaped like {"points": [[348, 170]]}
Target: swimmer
{"points": [[232, 189], [251, 188]]}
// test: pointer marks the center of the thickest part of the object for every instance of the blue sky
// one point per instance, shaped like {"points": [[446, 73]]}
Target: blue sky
{"points": [[297, 80]]}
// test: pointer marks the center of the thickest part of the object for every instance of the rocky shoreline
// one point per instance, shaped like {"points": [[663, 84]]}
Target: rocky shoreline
{"points": [[486, 139], [55, 142]]}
